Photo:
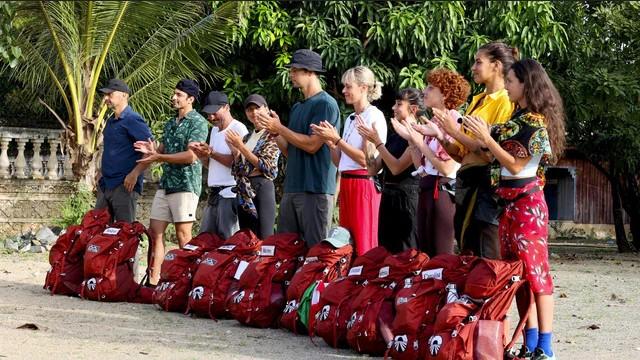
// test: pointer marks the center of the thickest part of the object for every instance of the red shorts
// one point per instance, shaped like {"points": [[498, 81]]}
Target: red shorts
{"points": [[523, 234]]}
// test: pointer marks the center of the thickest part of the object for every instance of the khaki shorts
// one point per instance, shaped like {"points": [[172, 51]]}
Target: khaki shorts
{"points": [[174, 208]]}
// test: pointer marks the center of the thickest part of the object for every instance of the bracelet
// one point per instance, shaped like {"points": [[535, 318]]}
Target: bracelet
{"points": [[337, 141], [377, 146]]}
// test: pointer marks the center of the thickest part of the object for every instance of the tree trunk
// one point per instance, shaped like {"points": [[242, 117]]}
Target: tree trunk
{"points": [[618, 219], [630, 191]]}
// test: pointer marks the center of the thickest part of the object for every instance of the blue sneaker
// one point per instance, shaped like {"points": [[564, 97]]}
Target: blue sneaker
{"points": [[539, 354]]}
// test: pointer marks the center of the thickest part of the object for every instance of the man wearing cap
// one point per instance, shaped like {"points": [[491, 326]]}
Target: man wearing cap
{"points": [[310, 181], [221, 214], [177, 197], [120, 183]]}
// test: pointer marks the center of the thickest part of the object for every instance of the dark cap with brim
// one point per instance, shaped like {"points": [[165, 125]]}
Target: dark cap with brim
{"points": [[256, 100], [115, 85], [307, 59], [215, 100]]}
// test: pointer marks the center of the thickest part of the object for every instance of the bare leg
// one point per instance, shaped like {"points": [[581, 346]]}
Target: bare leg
{"points": [[183, 232], [156, 232], [544, 303]]}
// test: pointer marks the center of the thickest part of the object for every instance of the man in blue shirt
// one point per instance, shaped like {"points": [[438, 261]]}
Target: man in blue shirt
{"points": [[121, 181], [310, 179]]}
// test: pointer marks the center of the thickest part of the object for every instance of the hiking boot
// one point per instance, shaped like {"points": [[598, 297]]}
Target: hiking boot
{"points": [[539, 354]]}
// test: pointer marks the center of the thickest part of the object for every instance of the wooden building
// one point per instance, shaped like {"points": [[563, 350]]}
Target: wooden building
{"points": [[577, 191]]}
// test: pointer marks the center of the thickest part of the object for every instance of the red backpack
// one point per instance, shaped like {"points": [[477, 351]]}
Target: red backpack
{"points": [[213, 277], [369, 328], [65, 257], [335, 301], [260, 297], [323, 263], [490, 276], [108, 263], [177, 271], [465, 332], [416, 306], [455, 268]]}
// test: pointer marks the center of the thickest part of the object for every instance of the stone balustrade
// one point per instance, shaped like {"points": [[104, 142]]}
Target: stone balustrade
{"points": [[33, 154]]}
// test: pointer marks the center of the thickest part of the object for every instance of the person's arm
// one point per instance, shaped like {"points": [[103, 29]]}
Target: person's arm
{"points": [[506, 160], [308, 143], [443, 166], [139, 131], [395, 165], [283, 145], [329, 133]]}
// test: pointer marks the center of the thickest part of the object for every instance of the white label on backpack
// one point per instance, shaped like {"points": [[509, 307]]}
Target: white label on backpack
{"points": [[267, 250], [242, 266], [190, 247], [432, 274], [111, 231], [384, 272], [227, 247], [356, 270], [310, 259]]}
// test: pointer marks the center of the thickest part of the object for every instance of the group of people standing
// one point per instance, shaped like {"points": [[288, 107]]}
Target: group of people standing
{"points": [[430, 179]]}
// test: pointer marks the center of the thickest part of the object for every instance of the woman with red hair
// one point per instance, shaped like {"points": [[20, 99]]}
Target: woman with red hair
{"points": [[446, 91]]}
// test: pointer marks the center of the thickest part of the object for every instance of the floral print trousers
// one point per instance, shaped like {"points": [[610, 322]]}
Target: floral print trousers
{"points": [[523, 233]]}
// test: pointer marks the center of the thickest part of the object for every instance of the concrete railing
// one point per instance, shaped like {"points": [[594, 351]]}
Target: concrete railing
{"points": [[33, 154]]}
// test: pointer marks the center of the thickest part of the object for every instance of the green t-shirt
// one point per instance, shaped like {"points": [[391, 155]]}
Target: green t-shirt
{"points": [[177, 135], [313, 173]]}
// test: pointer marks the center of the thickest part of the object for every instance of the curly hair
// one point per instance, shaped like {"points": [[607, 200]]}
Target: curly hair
{"points": [[453, 86]]}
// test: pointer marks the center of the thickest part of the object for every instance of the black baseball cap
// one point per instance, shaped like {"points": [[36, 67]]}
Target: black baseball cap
{"points": [[215, 100], [255, 99], [307, 59], [115, 85], [190, 87]]}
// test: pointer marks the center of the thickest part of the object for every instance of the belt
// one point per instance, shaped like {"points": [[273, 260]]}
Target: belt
{"points": [[354, 176], [516, 183]]}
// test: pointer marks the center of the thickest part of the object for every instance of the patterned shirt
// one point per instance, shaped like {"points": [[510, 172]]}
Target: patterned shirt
{"points": [[524, 135], [267, 151], [177, 135]]}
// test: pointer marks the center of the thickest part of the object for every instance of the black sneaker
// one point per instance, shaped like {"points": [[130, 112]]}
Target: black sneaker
{"points": [[539, 354]]}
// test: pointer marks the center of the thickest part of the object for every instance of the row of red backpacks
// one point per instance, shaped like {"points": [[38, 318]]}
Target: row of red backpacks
{"points": [[403, 306], [95, 260]]}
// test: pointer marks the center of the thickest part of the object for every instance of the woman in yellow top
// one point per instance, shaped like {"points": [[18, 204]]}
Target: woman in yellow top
{"points": [[476, 218]]}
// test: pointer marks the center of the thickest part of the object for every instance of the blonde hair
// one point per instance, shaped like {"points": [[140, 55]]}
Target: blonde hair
{"points": [[362, 75]]}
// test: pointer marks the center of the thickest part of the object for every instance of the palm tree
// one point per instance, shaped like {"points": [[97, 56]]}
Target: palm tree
{"points": [[70, 48]]}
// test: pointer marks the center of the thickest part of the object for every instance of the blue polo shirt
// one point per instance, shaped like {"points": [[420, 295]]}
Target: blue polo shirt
{"points": [[119, 157], [311, 173]]}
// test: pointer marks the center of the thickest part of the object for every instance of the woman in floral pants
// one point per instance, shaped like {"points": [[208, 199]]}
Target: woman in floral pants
{"points": [[522, 147]]}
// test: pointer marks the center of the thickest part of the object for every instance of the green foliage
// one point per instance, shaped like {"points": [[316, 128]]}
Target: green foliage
{"points": [[74, 207], [70, 48], [9, 52], [399, 41]]}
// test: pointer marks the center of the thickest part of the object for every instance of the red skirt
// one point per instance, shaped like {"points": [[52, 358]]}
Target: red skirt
{"points": [[359, 203]]}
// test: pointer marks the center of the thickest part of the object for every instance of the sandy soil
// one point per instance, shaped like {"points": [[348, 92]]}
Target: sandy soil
{"points": [[593, 287]]}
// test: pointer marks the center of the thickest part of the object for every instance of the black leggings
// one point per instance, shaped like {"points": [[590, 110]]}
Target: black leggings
{"points": [[265, 202]]}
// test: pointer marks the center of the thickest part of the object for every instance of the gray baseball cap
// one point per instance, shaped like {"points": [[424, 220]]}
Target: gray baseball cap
{"points": [[338, 237]]}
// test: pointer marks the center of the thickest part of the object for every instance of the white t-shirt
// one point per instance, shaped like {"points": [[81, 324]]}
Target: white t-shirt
{"points": [[371, 115], [220, 175], [440, 153]]}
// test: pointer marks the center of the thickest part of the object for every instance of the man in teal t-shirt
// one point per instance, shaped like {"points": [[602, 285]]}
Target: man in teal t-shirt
{"points": [[310, 179], [177, 198]]}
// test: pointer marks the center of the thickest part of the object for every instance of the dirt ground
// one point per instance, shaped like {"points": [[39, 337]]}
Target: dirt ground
{"points": [[597, 317]]}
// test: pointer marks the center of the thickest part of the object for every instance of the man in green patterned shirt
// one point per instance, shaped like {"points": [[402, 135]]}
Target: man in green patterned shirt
{"points": [[177, 198]]}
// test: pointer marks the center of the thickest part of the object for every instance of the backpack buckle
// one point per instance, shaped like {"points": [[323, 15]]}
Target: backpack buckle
{"points": [[515, 278]]}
